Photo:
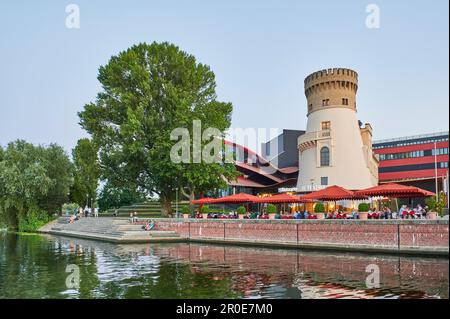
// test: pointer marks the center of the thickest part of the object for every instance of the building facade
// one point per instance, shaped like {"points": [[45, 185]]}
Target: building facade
{"points": [[335, 150], [420, 160], [282, 151]]}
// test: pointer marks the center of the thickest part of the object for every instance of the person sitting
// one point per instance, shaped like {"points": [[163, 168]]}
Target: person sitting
{"points": [[306, 214], [149, 225], [419, 211]]}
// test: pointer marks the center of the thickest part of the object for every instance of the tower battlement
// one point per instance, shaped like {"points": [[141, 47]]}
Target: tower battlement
{"points": [[335, 87]]}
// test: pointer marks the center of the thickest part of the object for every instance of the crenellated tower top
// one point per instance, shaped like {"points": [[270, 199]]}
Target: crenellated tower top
{"points": [[331, 88]]}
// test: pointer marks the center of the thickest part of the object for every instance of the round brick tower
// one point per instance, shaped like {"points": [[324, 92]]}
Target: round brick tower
{"points": [[335, 150]]}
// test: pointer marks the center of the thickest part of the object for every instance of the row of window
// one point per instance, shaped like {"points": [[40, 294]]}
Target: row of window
{"points": [[413, 154], [326, 102], [414, 167], [411, 142]]}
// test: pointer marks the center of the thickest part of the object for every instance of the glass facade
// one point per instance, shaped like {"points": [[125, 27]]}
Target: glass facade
{"points": [[413, 154]]}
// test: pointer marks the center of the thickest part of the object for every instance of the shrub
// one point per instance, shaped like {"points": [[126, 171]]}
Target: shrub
{"points": [[319, 208], [363, 207], [204, 209], [271, 209], [437, 205], [241, 210], [33, 220], [185, 210]]}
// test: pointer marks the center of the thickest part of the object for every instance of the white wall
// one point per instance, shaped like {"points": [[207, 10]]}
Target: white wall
{"points": [[348, 167]]}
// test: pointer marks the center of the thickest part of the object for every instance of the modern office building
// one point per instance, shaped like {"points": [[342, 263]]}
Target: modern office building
{"points": [[420, 160]]}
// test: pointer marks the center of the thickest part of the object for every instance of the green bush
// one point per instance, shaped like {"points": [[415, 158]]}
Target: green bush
{"points": [[363, 207], [185, 210], [319, 208], [271, 209], [241, 210], [33, 220], [437, 205], [205, 209]]}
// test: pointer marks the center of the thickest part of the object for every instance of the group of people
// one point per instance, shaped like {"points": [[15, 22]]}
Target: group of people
{"points": [[83, 213], [418, 212], [405, 212], [148, 225]]}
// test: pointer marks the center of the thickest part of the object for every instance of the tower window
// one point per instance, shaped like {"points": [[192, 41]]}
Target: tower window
{"points": [[325, 102], [326, 125], [324, 156], [344, 101]]}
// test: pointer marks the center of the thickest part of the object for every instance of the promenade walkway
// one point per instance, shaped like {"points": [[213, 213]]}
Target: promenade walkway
{"points": [[108, 229]]}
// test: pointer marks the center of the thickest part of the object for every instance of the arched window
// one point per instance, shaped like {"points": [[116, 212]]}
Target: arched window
{"points": [[324, 156]]}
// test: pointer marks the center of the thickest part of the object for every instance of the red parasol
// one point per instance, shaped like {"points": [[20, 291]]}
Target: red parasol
{"points": [[396, 191], [333, 193], [237, 198], [282, 198]]}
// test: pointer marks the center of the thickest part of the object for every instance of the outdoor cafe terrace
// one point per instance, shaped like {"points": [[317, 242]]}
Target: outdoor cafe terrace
{"points": [[334, 202]]}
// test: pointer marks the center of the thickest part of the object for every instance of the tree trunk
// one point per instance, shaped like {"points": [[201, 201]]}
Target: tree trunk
{"points": [[166, 206]]}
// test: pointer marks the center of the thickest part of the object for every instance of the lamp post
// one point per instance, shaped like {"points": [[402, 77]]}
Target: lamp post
{"points": [[176, 202], [435, 172]]}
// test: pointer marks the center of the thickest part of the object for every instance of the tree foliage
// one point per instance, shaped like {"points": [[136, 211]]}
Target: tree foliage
{"points": [[34, 183], [115, 197], [148, 91], [87, 172]]}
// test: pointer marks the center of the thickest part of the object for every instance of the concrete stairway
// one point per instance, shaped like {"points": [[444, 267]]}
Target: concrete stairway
{"points": [[111, 229]]}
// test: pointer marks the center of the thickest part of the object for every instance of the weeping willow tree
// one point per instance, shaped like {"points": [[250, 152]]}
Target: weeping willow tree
{"points": [[34, 183]]}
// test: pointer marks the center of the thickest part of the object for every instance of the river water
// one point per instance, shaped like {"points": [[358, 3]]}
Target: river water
{"points": [[41, 266]]}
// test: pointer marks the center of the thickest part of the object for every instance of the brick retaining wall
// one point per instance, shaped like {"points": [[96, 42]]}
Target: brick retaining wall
{"points": [[389, 235]]}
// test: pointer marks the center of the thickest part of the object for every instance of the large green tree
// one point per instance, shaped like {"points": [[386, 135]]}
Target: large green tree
{"points": [[115, 197], [148, 91], [34, 183], [87, 172]]}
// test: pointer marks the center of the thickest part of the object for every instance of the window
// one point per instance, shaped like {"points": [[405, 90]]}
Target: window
{"points": [[267, 149], [325, 102], [326, 125], [324, 156], [344, 101], [310, 107], [324, 180]]}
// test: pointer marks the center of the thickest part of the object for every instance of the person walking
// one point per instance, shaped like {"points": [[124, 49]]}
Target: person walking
{"points": [[96, 212]]}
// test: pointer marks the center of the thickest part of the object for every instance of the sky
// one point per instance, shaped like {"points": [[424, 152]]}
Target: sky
{"points": [[260, 52]]}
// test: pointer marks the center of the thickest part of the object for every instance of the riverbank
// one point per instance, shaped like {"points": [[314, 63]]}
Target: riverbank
{"points": [[409, 237]]}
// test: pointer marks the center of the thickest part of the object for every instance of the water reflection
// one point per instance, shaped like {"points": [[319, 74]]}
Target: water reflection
{"points": [[34, 266]]}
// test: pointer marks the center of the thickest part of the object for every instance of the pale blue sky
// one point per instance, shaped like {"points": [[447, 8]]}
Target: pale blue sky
{"points": [[260, 52]]}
